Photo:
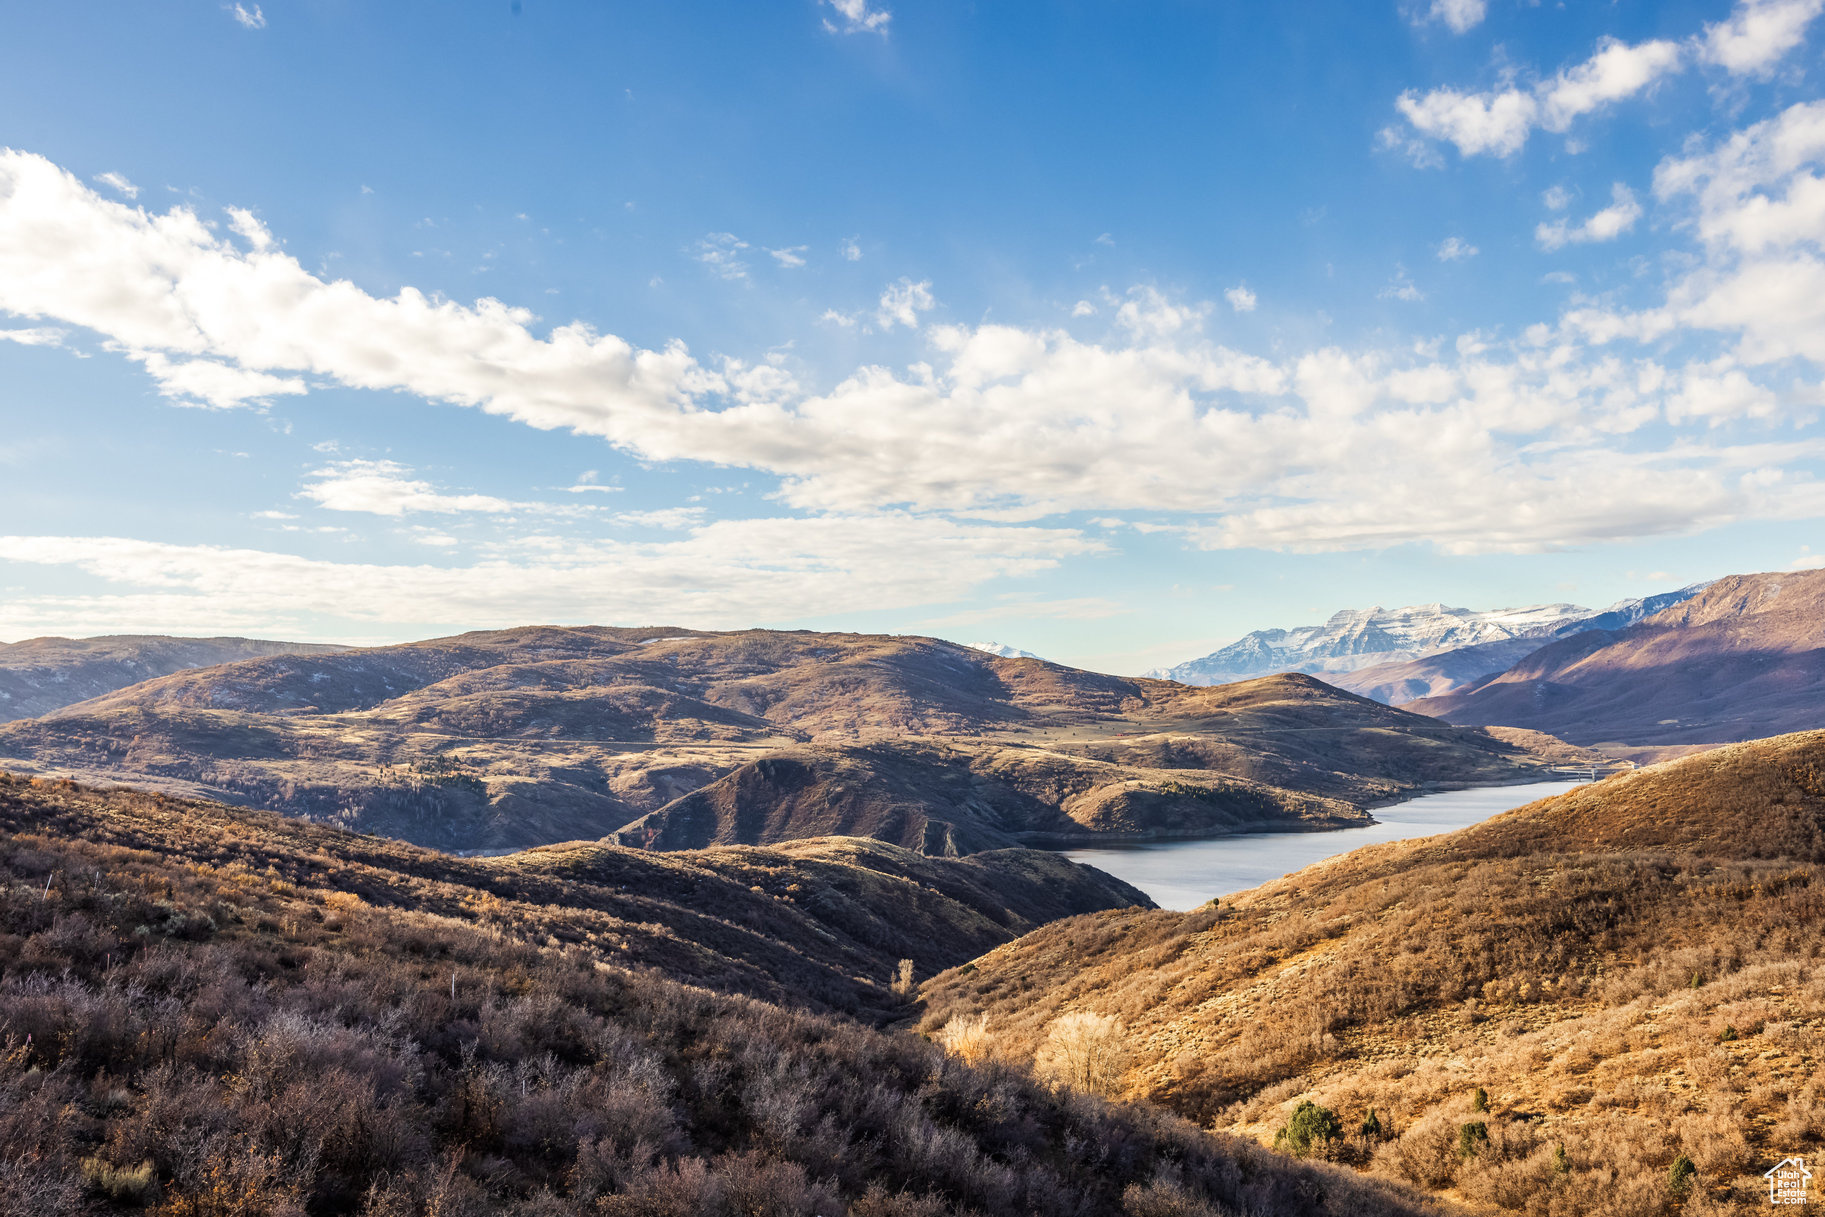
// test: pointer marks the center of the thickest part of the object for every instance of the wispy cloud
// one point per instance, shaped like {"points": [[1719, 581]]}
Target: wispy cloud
{"points": [[1456, 249], [790, 257], [1605, 225], [857, 17], [250, 18], [118, 183], [386, 488], [721, 252], [1240, 298]]}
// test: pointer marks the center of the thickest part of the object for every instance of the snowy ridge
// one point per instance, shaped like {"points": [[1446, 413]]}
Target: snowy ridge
{"points": [[1359, 638]]}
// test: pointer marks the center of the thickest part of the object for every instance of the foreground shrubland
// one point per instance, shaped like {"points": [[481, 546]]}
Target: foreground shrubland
{"points": [[205, 1039]]}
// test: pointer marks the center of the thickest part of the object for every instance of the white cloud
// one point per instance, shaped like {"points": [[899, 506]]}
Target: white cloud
{"points": [[998, 422], [1618, 70], [1461, 16], [721, 252], [858, 18], [1758, 35], [1556, 198], [664, 517], [1492, 123], [1497, 122], [1401, 287], [791, 256], [252, 19], [730, 573], [902, 302], [1240, 298], [1083, 308], [851, 251], [842, 320], [118, 183], [220, 386], [1456, 249], [1605, 225], [37, 336], [386, 488]]}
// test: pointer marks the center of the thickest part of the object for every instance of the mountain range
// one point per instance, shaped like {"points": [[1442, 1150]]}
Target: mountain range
{"points": [[1371, 651], [1743, 659], [678, 738]]}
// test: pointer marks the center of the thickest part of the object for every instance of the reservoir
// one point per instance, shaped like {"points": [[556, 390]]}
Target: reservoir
{"points": [[1185, 874]]}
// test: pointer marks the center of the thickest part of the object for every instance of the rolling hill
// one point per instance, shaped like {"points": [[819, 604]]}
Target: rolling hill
{"points": [[679, 738], [40, 675], [819, 923], [1742, 660], [212, 1011], [1626, 973]]}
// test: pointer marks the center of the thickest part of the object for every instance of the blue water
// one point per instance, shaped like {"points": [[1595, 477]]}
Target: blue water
{"points": [[1185, 874]]}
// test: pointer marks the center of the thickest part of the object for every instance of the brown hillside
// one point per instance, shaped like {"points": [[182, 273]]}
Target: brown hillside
{"points": [[1743, 659], [208, 1012], [823, 924], [507, 739], [40, 675], [1631, 970]]}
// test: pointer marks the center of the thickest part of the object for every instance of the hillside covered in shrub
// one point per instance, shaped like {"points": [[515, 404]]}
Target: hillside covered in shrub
{"points": [[1597, 987], [241, 1015]]}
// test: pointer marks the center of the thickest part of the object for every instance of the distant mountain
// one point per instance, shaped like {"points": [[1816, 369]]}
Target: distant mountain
{"points": [[1357, 639], [1743, 659], [1002, 649], [40, 675], [1402, 681], [675, 738]]}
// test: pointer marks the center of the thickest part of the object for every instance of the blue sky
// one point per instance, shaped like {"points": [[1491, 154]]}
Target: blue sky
{"points": [[1110, 330]]}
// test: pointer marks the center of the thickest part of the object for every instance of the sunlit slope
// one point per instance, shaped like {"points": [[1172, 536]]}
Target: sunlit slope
{"points": [[1631, 969]]}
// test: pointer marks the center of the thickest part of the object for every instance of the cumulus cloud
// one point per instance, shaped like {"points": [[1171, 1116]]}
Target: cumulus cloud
{"points": [[1240, 298], [1497, 122], [1605, 225], [1758, 35], [902, 302], [851, 251], [857, 17], [1456, 249], [1000, 424]]}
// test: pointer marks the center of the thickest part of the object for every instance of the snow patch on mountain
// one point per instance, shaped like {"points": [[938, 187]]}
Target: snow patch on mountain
{"points": [[1002, 649], [1360, 638]]}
